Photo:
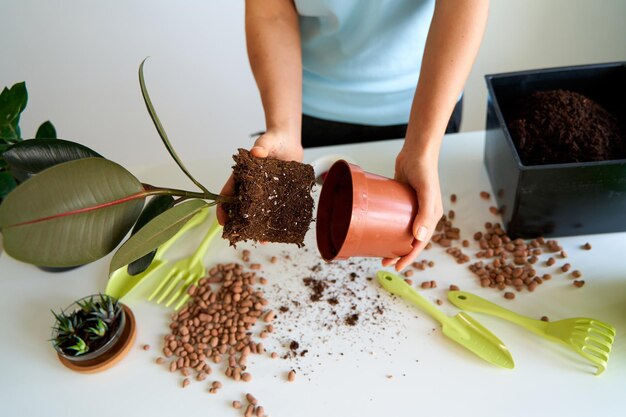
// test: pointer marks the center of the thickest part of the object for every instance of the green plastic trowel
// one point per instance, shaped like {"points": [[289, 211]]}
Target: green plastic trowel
{"points": [[121, 283], [461, 328]]}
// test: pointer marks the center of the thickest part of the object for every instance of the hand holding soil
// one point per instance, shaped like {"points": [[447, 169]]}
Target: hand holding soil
{"points": [[273, 200], [270, 144]]}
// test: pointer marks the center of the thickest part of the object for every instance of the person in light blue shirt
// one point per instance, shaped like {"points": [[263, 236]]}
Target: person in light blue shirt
{"points": [[343, 71]]}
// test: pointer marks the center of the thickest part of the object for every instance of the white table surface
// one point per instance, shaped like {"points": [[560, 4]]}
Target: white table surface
{"points": [[347, 368]]}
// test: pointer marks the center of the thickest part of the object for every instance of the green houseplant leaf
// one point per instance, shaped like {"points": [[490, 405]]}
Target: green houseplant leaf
{"points": [[46, 131], [34, 155], [12, 103], [163, 135], [155, 233], [71, 214], [155, 206], [7, 183]]}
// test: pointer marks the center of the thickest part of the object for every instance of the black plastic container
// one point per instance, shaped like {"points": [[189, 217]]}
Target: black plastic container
{"points": [[558, 199]]}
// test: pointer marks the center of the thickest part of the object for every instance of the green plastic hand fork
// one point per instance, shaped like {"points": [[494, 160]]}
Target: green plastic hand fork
{"points": [[185, 273], [121, 283], [592, 339], [461, 328]]}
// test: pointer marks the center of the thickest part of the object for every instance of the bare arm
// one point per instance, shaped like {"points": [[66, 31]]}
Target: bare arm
{"points": [[273, 40], [452, 45]]}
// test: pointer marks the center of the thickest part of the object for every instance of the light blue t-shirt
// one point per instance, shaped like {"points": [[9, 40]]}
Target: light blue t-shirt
{"points": [[362, 58]]}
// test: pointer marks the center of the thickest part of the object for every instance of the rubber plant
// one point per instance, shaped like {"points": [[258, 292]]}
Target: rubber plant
{"points": [[78, 211]]}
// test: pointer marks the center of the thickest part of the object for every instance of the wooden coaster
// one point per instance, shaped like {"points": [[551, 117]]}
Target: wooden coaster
{"points": [[114, 355]]}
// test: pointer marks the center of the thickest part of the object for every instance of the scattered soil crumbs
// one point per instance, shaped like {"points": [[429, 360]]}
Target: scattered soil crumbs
{"points": [[352, 319], [329, 311], [274, 202], [294, 345], [317, 287], [562, 126]]}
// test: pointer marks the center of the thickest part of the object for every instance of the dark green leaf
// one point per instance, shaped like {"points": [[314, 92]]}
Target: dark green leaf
{"points": [[71, 214], [12, 104], [46, 131], [156, 206], [163, 135], [158, 231], [34, 155], [9, 141], [7, 183]]}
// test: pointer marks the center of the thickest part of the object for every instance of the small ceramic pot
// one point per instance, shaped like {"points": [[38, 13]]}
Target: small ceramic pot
{"points": [[360, 214], [109, 353]]}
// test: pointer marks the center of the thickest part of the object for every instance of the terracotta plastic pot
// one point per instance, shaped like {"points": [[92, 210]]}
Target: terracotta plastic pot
{"points": [[364, 214]]}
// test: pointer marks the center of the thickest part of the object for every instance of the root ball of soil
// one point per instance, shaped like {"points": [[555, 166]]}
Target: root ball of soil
{"points": [[274, 202], [561, 126]]}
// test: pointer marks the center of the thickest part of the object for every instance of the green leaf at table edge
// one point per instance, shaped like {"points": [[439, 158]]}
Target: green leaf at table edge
{"points": [[158, 231]]}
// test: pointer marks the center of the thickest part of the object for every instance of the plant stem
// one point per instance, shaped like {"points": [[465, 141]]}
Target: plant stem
{"points": [[151, 190]]}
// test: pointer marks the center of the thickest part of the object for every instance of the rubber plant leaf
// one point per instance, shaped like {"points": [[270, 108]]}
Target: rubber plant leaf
{"points": [[71, 214], [3, 147], [7, 183], [158, 231], [163, 135], [46, 131], [157, 205], [12, 103], [34, 155]]}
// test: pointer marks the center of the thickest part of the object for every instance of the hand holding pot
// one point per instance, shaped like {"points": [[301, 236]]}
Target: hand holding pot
{"points": [[421, 173]]}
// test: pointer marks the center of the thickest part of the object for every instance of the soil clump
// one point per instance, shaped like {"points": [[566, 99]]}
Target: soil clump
{"points": [[273, 203], [561, 126]]}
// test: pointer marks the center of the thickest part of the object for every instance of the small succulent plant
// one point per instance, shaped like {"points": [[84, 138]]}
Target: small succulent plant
{"points": [[104, 309], [99, 329], [80, 348], [87, 327]]}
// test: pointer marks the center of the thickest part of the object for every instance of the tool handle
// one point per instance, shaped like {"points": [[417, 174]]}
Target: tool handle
{"points": [[396, 285], [197, 219], [410, 294], [470, 302], [204, 245]]}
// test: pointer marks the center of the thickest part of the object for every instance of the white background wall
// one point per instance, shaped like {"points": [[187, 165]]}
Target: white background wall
{"points": [[80, 59]]}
